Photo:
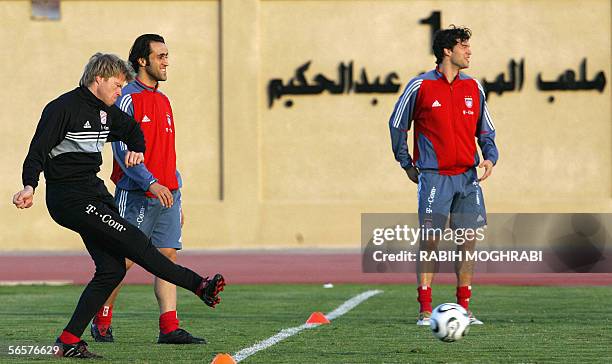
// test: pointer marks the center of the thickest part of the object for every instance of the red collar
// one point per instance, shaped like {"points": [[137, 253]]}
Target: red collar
{"points": [[441, 75], [144, 85]]}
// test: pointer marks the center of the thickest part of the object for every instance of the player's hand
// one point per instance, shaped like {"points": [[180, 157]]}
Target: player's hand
{"points": [[133, 158], [488, 166], [25, 198], [413, 174], [182, 218], [162, 193]]}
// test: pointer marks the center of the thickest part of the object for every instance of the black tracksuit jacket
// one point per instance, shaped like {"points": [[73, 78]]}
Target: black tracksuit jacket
{"points": [[69, 138]]}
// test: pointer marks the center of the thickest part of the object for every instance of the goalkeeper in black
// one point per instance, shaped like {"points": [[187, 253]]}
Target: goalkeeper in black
{"points": [[67, 146]]}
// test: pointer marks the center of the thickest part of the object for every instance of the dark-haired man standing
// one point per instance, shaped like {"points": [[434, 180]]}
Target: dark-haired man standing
{"points": [[149, 195], [450, 113]]}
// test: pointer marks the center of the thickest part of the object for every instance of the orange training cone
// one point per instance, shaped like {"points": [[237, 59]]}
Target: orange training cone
{"points": [[223, 358], [317, 318]]}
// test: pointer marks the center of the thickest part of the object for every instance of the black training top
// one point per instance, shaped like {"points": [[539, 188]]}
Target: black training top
{"points": [[70, 136]]}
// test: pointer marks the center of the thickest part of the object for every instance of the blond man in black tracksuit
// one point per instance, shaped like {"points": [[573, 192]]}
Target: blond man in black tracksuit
{"points": [[67, 146]]}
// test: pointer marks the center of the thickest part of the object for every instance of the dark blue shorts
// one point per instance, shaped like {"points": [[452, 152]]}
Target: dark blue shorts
{"points": [[162, 225], [459, 196]]}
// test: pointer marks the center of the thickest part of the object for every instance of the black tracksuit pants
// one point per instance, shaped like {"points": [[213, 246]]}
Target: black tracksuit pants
{"points": [[89, 209]]}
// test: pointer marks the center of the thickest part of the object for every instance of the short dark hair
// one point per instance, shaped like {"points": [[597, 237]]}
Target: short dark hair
{"points": [[142, 48], [448, 38]]}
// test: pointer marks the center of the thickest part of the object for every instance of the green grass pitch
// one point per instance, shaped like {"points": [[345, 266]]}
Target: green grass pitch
{"points": [[522, 325]]}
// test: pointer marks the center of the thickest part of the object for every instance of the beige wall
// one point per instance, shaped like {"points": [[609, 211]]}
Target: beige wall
{"points": [[301, 176]]}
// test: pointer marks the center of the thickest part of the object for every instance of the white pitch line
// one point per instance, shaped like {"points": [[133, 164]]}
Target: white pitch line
{"points": [[285, 333]]}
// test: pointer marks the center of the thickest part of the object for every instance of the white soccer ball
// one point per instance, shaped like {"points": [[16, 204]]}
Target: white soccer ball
{"points": [[449, 322]]}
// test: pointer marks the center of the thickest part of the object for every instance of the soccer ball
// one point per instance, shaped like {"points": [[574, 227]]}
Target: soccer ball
{"points": [[449, 322]]}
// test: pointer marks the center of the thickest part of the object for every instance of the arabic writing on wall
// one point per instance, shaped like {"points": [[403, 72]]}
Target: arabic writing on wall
{"points": [[345, 83]]}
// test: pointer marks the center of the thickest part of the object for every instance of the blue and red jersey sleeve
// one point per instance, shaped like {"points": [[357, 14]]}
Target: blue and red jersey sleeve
{"points": [[485, 130], [401, 121]]}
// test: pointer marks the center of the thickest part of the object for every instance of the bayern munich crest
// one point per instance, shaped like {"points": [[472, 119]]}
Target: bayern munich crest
{"points": [[468, 102]]}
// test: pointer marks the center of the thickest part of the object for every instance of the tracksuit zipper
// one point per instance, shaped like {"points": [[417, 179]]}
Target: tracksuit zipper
{"points": [[452, 101]]}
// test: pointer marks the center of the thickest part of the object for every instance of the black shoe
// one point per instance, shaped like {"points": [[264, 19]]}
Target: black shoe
{"points": [[78, 350], [102, 337], [179, 336], [210, 288]]}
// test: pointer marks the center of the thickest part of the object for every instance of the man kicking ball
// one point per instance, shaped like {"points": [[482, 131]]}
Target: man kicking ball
{"points": [[67, 145]]}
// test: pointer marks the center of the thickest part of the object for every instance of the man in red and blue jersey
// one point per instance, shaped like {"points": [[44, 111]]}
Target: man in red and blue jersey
{"points": [[450, 114], [149, 196]]}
